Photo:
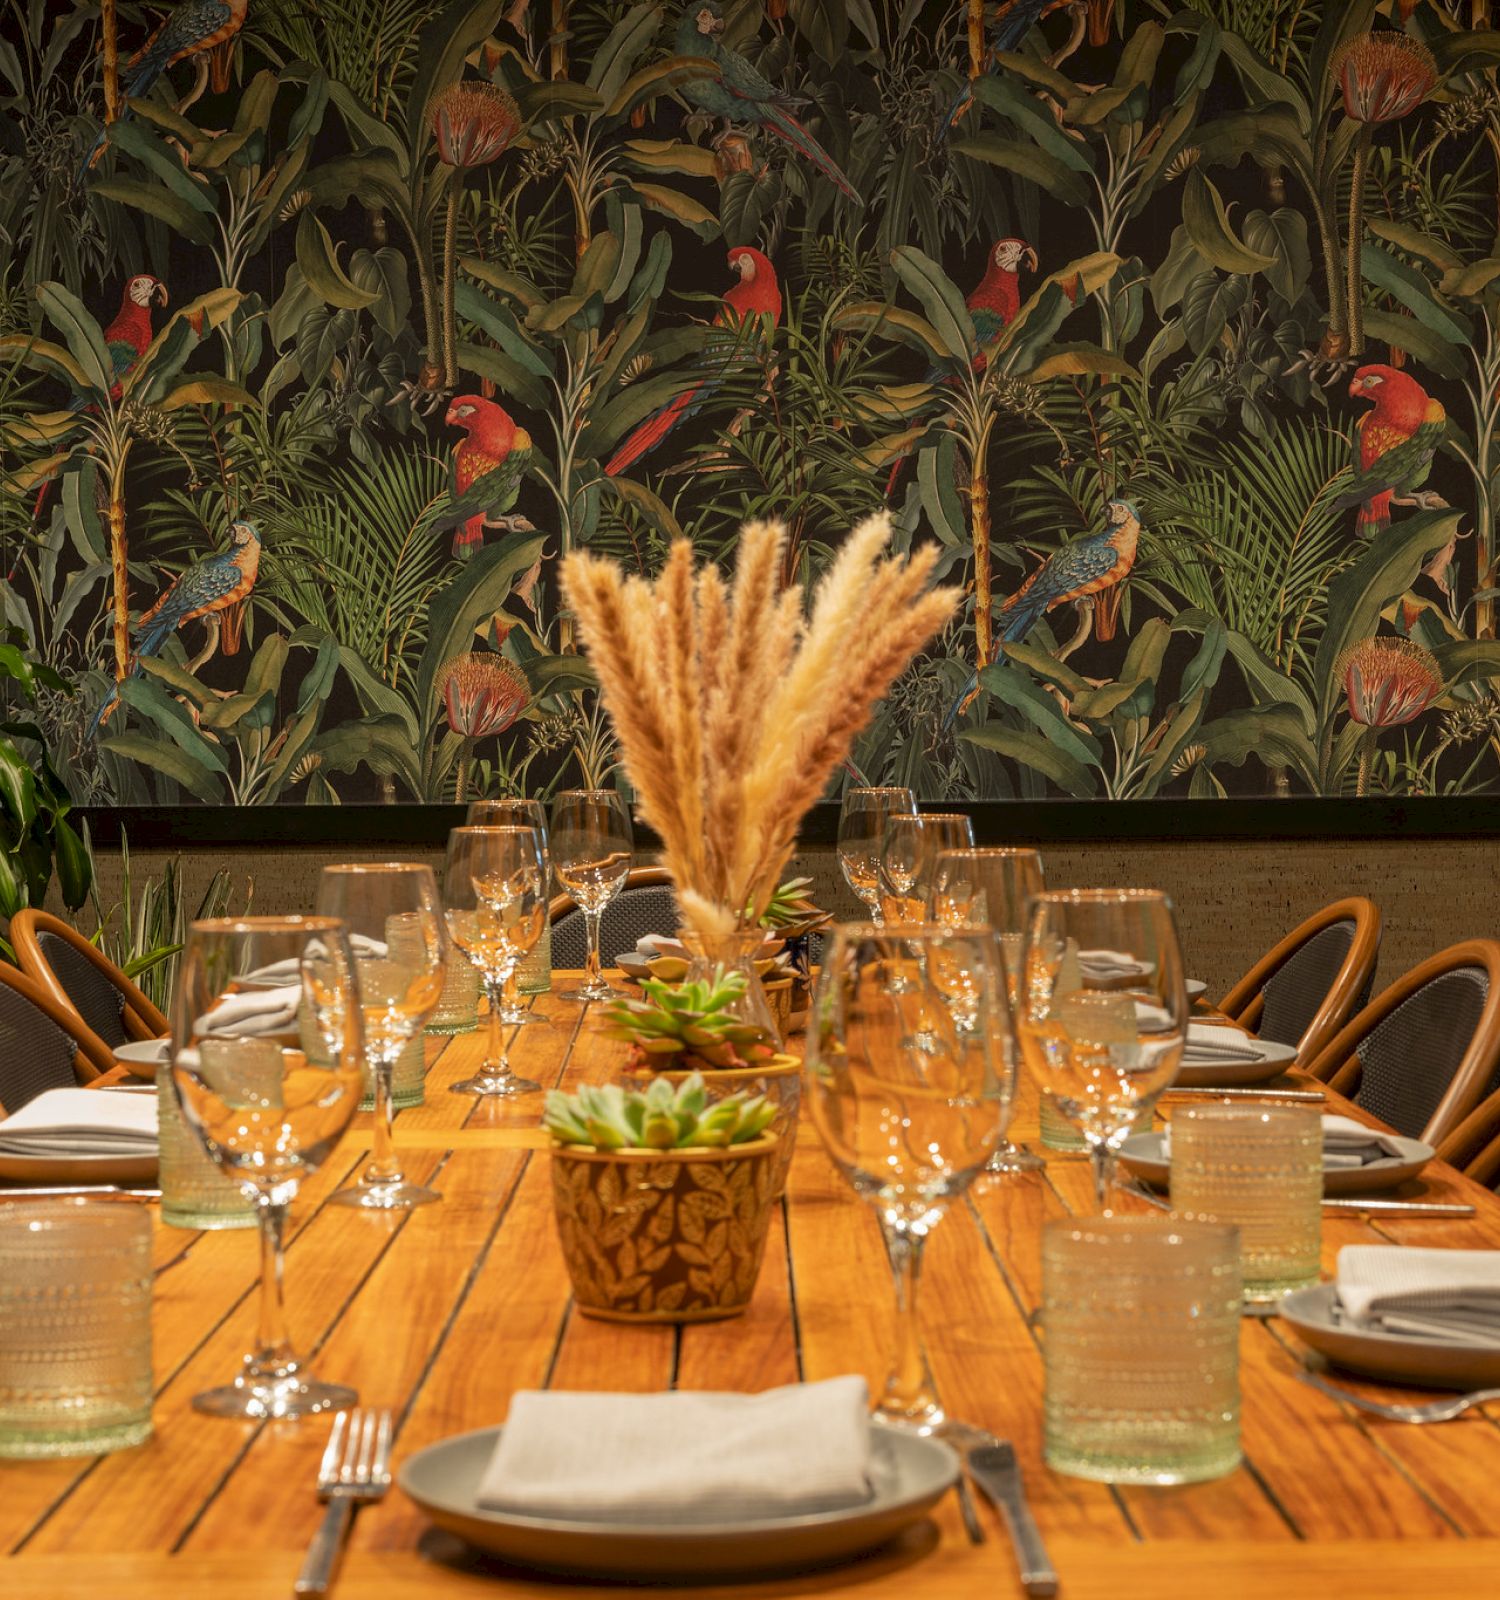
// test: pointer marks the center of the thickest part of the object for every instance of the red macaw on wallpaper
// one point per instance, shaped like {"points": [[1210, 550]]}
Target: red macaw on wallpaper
{"points": [[496, 449], [757, 294], [1393, 443]]}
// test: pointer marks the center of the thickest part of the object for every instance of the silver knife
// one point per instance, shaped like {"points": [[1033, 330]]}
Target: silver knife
{"points": [[80, 1188], [1307, 1095], [1431, 1208], [993, 1467]]}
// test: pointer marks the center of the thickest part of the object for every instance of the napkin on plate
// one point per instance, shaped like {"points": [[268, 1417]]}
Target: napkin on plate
{"points": [[290, 970], [1347, 1143], [1211, 1043], [1433, 1294], [253, 1013], [1098, 964], [654, 1458], [71, 1122]]}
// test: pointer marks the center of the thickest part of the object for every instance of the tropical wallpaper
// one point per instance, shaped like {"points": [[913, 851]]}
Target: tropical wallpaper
{"points": [[328, 326]]}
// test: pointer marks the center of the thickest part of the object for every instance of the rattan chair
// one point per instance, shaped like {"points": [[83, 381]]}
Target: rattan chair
{"points": [[647, 904], [78, 976], [1474, 1145], [1424, 1053], [43, 1045], [1304, 989]]}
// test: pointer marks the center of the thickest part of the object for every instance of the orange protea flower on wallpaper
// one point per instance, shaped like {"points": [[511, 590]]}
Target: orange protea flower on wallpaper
{"points": [[1388, 682], [1384, 76], [474, 123], [483, 693]]}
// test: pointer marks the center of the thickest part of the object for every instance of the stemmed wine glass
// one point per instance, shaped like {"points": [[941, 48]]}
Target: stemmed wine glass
{"points": [[395, 923], [991, 888], [905, 1090], [515, 813], [592, 848], [495, 889], [908, 855], [264, 1111], [1102, 1037], [862, 820]]}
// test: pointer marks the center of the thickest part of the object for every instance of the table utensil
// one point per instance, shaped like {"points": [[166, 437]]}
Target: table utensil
{"points": [[398, 976], [1102, 1049], [356, 1470], [909, 1474], [101, 1189], [1433, 1208], [909, 854], [910, 1097], [269, 1114], [534, 974], [592, 846], [495, 889], [1182, 1091], [1141, 1356], [995, 1469], [978, 888], [862, 819], [1431, 1411]]}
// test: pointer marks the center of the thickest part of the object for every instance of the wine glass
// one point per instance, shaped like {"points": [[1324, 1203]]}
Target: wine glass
{"points": [[264, 1110], [908, 854], [592, 847], [906, 1092], [862, 820], [515, 813], [495, 889], [1102, 1012], [395, 923], [979, 888]]}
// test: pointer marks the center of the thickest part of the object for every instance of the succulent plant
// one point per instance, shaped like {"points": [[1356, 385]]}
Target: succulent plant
{"points": [[687, 1027], [792, 912], [663, 1116]]}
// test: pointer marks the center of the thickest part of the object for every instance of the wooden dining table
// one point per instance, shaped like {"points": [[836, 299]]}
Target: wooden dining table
{"points": [[443, 1313]]}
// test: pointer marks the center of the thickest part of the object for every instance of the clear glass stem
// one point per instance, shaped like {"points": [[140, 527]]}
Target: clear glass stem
{"points": [[384, 1168], [496, 1059], [1102, 1161], [910, 1396], [593, 975], [511, 990], [272, 1357], [877, 916]]}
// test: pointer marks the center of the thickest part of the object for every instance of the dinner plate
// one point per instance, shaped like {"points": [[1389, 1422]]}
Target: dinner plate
{"points": [[1404, 1358], [909, 1474], [141, 1057], [1196, 988], [1271, 1061], [1141, 1155]]}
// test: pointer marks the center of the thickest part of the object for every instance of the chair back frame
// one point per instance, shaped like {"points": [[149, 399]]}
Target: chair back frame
{"points": [[141, 1017], [637, 878]]}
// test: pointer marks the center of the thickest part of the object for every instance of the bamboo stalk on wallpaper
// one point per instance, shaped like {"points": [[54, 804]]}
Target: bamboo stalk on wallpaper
{"points": [[732, 707]]}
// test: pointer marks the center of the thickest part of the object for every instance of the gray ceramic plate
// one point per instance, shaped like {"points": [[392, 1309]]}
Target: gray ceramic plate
{"points": [[910, 1474], [1195, 987], [1141, 1155], [1431, 1363], [143, 1056], [1271, 1061]]}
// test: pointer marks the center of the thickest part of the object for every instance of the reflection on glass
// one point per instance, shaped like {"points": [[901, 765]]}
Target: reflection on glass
{"points": [[519, 813], [908, 857], [862, 819], [592, 849]]}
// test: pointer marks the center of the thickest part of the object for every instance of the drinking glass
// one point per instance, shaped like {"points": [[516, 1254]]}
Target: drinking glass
{"points": [[862, 820], [518, 813], [394, 919], [978, 888], [1260, 1169], [268, 1113], [592, 847], [75, 1326], [908, 855], [495, 888], [1142, 1350], [906, 1092], [1102, 1011]]}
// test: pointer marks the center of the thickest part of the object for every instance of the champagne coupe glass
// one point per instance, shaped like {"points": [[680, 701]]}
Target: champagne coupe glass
{"points": [[515, 813], [592, 846], [263, 1110], [862, 820], [1102, 1012], [905, 1090], [908, 855], [495, 889], [978, 888], [395, 923]]}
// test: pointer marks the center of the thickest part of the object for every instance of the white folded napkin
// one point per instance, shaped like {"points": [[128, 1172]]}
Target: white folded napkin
{"points": [[656, 1458], [253, 1012], [1434, 1294], [1112, 964], [1347, 1143], [1210, 1042], [363, 946], [67, 1122]]}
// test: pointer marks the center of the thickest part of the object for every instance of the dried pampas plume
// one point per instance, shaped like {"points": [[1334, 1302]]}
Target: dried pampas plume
{"points": [[732, 708]]}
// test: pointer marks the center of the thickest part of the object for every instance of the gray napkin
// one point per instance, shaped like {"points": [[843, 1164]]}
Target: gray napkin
{"points": [[683, 1456], [253, 1013], [1213, 1043], [72, 1122], [1347, 1143], [1433, 1294]]}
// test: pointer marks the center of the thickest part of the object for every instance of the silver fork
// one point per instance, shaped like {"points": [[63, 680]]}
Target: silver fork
{"points": [[1432, 1411], [356, 1468]]}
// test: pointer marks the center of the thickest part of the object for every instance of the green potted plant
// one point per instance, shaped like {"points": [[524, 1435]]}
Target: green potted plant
{"points": [[663, 1198]]}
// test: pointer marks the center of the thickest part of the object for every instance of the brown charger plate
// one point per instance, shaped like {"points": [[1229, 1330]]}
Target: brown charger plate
{"points": [[910, 1475]]}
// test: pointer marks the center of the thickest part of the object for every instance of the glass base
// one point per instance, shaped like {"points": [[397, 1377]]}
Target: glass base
{"points": [[1014, 1158], [292, 1396], [926, 1417], [207, 1221], [586, 992], [520, 1017], [384, 1196], [451, 1030], [489, 1084], [1198, 1462], [43, 1445], [400, 1100]]}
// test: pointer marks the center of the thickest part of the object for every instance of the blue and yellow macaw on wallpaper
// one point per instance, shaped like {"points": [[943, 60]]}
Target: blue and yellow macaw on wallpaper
{"points": [[1012, 22], [741, 94]]}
